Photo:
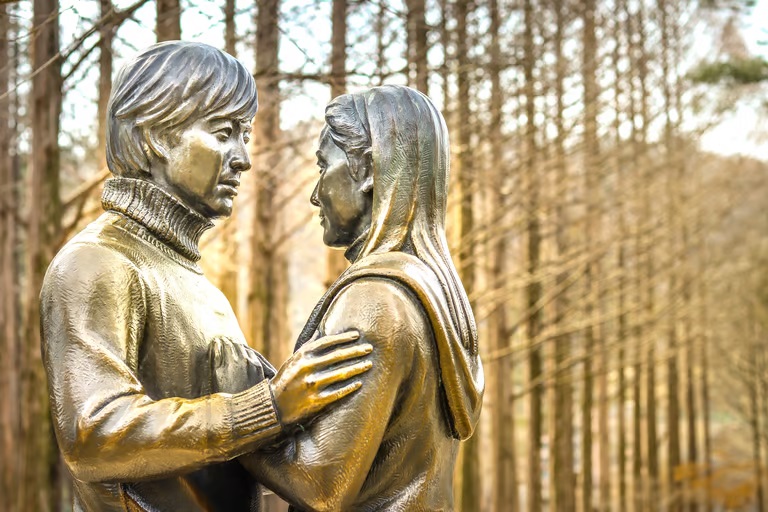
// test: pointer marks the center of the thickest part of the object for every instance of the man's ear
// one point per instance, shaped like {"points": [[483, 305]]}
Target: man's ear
{"points": [[153, 148]]}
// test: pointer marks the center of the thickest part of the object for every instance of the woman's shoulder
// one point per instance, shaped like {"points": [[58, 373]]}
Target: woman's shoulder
{"points": [[381, 309]]}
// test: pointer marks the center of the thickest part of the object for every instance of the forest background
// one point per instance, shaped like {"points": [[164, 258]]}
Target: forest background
{"points": [[608, 214]]}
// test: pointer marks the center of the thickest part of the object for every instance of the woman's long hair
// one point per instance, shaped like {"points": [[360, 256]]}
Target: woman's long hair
{"points": [[407, 139]]}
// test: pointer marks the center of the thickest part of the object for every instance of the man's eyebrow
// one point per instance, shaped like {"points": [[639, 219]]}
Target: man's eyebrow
{"points": [[221, 119]]}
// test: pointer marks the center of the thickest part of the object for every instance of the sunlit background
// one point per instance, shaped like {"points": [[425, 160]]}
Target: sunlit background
{"points": [[612, 158]]}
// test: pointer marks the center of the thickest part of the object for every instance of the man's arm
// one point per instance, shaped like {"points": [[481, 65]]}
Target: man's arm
{"points": [[108, 428], [326, 465]]}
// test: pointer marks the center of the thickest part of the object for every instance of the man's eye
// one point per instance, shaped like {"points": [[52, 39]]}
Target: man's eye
{"points": [[223, 134], [246, 139]]}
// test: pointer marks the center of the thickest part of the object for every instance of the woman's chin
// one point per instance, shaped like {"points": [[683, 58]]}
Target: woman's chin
{"points": [[332, 241]]}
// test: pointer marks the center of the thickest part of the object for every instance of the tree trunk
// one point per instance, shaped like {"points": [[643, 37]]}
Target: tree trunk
{"points": [[703, 322], [417, 43], [621, 260], [230, 29], [470, 469], [106, 34], [562, 474], [268, 293], [753, 383], [336, 263], [41, 474], [645, 184], [9, 311], [591, 271], [533, 290], [228, 242], [168, 23], [673, 401], [506, 483], [445, 42]]}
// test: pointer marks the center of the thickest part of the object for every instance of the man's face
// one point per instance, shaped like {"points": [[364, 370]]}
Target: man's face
{"points": [[204, 165], [344, 202]]}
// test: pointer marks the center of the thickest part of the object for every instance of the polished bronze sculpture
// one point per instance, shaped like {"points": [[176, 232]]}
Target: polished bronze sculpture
{"points": [[135, 337], [391, 446]]}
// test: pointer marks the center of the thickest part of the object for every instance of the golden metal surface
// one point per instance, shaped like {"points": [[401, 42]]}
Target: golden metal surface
{"points": [[393, 444], [133, 332]]}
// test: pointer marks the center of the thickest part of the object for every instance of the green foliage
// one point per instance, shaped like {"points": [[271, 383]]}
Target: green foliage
{"points": [[720, 4], [736, 71]]}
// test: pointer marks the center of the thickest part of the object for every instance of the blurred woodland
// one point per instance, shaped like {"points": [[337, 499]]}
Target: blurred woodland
{"points": [[618, 270]]}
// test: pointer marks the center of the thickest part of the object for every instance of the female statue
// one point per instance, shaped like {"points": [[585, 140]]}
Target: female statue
{"points": [[384, 161]]}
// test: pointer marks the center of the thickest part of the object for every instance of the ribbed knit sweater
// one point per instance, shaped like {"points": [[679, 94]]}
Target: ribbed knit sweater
{"points": [[127, 320]]}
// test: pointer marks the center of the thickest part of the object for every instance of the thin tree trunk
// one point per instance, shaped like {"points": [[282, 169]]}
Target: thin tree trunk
{"points": [[9, 374], [753, 383], [533, 290], [649, 278], [268, 285], [673, 401], [621, 261], [470, 468], [336, 263], [268, 293], [506, 483], [591, 191], [106, 34], [168, 23], [563, 474], [228, 278], [703, 323], [230, 28], [445, 42], [638, 329], [41, 473], [417, 43]]}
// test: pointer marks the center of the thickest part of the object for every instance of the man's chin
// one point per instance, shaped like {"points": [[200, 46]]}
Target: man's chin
{"points": [[221, 209]]}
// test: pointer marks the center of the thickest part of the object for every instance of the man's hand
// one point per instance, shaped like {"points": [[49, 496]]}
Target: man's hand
{"points": [[318, 374]]}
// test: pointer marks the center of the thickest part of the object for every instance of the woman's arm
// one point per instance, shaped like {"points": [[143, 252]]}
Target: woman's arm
{"points": [[326, 465]]}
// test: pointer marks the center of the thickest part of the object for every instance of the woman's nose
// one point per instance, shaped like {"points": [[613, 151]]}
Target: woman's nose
{"points": [[313, 198]]}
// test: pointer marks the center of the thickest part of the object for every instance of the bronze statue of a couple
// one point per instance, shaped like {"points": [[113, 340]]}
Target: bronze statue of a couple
{"points": [[159, 404]]}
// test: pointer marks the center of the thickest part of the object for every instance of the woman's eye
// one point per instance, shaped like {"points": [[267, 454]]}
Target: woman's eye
{"points": [[246, 139]]}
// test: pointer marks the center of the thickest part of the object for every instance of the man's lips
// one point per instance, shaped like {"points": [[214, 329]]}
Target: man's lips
{"points": [[230, 185]]}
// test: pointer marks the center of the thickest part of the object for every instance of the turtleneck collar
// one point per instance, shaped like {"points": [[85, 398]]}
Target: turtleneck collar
{"points": [[167, 218]]}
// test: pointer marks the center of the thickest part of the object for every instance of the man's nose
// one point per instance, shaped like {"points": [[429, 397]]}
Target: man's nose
{"points": [[313, 198], [241, 161]]}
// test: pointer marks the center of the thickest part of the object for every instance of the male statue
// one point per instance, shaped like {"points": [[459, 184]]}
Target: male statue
{"points": [[133, 331]]}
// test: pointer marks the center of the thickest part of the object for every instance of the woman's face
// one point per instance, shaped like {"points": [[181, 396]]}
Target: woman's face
{"points": [[345, 202]]}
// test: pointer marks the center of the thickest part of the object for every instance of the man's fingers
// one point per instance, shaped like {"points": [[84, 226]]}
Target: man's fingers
{"points": [[343, 354], [331, 341], [340, 374], [331, 396]]}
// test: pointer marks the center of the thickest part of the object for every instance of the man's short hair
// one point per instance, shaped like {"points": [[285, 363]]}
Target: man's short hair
{"points": [[162, 91]]}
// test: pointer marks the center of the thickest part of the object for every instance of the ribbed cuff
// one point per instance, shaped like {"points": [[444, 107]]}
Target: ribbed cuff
{"points": [[253, 413]]}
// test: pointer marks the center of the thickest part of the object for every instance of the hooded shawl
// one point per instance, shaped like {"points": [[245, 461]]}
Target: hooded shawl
{"points": [[406, 241]]}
